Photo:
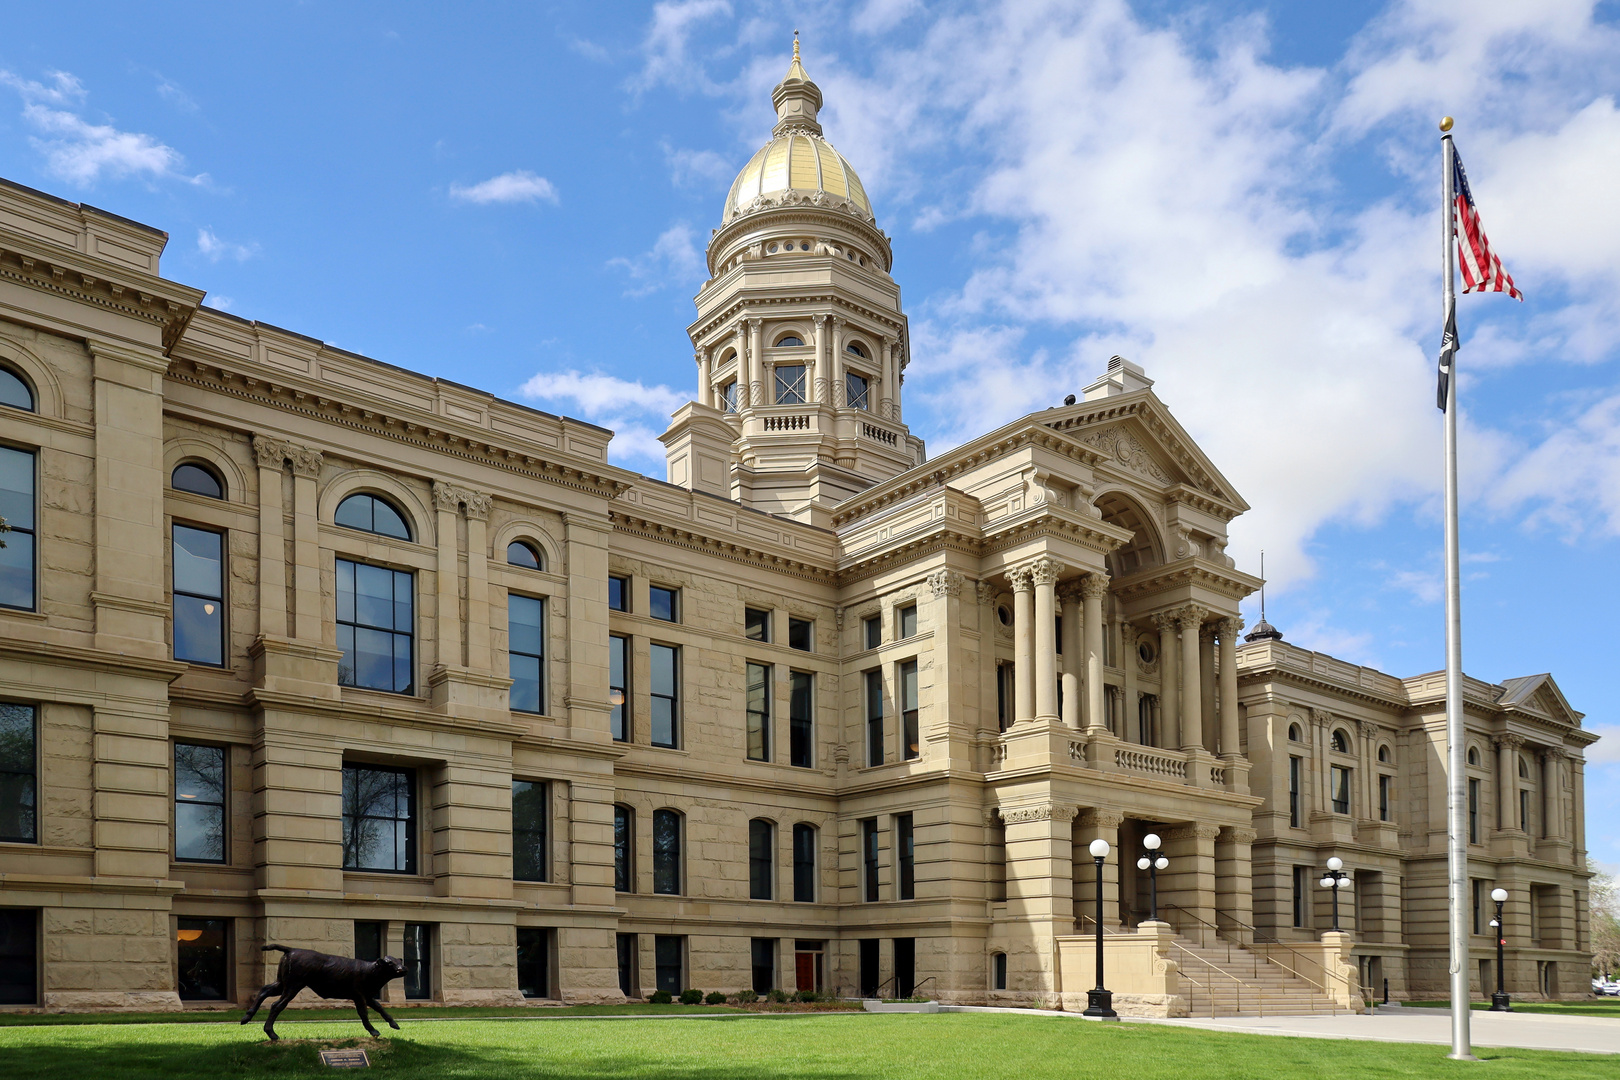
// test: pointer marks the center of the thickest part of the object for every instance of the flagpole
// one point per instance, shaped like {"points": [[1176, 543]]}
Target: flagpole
{"points": [[1456, 779]]}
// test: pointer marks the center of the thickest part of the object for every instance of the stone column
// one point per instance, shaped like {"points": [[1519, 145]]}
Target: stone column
{"points": [[1023, 643], [1321, 724], [1577, 784], [1169, 692], [1507, 780], [1044, 572], [1206, 686], [1231, 744], [479, 658], [1234, 882], [1072, 653], [447, 501], [835, 364], [821, 360], [705, 379], [1130, 729], [307, 622], [1093, 589], [947, 712], [272, 459], [1191, 618], [1097, 825], [1368, 755], [988, 690], [758, 394], [745, 369]]}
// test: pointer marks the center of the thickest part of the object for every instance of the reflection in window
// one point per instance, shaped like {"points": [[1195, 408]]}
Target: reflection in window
{"points": [[1341, 742], [856, 391], [529, 862], [666, 852], [854, 348], [906, 854], [907, 617], [1340, 780], [789, 340], [869, 860], [200, 975], [199, 803], [790, 384], [379, 818], [801, 719], [874, 717], [665, 604], [418, 961], [624, 833], [197, 479], [910, 737], [17, 508], [198, 575], [371, 514], [804, 863], [664, 660], [19, 775], [761, 861], [872, 628], [759, 712], [667, 955], [619, 686], [15, 392], [728, 394], [618, 594], [374, 625], [526, 631], [801, 634], [756, 624], [522, 554]]}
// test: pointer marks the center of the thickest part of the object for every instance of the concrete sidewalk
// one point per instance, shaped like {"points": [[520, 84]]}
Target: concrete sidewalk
{"points": [[1528, 1031]]}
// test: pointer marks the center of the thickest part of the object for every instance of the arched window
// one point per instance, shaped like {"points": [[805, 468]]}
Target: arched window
{"points": [[1293, 733], [855, 348], [14, 391], [788, 340], [1473, 755], [198, 479], [372, 514], [804, 863], [1383, 753], [524, 554], [624, 849], [666, 840], [1524, 769], [1341, 742], [761, 861]]}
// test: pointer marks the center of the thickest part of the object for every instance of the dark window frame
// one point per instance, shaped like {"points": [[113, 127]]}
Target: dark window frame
{"points": [[669, 962], [1386, 788], [874, 717], [674, 595], [804, 863], [870, 861], [418, 959], [513, 652], [802, 719], [539, 938], [624, 592], [24, 781], [762, 963], [624, 848], [872, 628], [857, 391], [620, 715], [208, 470], [905, 845], [672, 696], [791, 389], [412, 826], [222, 803], [538, 833], [27, 387], [350, 678], [222, 957], [905, 622], [761, 859], [907, 684], [222, 630], [533, 551], [669, 826], [1296, 793], [374, 500], [757, 624], [808, 636], [758, 689], [364, 948], [17, 531], [1341, 781]]}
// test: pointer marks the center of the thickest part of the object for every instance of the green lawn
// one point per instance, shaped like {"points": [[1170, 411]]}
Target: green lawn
{"points": [[400, 1012], [848, 1047], [1609, 1007]]}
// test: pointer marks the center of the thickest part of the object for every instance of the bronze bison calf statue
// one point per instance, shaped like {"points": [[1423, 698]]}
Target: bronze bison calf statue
{"points": [[331, 977]]}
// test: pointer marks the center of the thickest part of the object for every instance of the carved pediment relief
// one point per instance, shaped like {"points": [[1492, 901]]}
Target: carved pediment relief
{"points": [[1127, 451]]}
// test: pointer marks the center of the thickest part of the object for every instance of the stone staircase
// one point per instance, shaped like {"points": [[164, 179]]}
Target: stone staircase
{"points": [[1226, 979]]}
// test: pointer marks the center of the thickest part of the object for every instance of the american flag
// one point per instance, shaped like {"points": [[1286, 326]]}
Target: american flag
{"points": [[1481, 267]]}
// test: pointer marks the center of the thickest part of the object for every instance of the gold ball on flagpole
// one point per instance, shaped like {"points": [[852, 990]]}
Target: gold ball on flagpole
{"points": [[1445, 123]]}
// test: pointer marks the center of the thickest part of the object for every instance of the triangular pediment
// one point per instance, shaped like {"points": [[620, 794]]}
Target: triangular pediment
{"points": [[1539, 694]]}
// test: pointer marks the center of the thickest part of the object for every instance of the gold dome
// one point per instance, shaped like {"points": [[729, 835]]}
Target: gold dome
{"points": [[793, 167]]}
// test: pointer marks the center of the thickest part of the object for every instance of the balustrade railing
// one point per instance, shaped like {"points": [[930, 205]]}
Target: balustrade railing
{"points": [[1150, 761]]}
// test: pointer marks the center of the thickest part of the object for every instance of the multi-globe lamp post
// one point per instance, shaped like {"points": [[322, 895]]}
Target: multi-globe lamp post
{"points": [[1100, 1002], [1500, 1002], [1152, 862], [1335, 879]]}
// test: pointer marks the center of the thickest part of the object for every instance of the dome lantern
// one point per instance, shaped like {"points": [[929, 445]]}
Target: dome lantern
{"points": [[796, 98]]}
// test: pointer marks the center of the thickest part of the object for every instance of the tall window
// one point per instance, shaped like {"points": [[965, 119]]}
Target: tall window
{"points": [[790, 384], [1341, 789], [756, 624], [666, 687], [418, 961], [19, 956], [199, 803], [855, 390], [1473, 810], [801, 722], [379, 818], [369, 940], [762, 951], [869, 860], [374, 627], [529, 816], [1524, 809], [666, 852], [201, 951], [907, 618], [872, 631], [664, 604], [1302, 896], [759, 712], [624, 838], [526, 651], [729, 396], [668, 953], [19, 774], [17, 507], [618, 594], [1296, 769], [906, 854], [804, 863], [197, 479], [534, 961], [619, 685], [874, 717], [1004, 696], [198, 578], [1384, 781], [1476, 889], [372, 514], [910, 738], [801, 634], [761, 861]]}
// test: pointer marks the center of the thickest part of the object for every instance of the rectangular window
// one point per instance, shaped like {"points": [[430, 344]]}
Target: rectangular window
{"points": [[666, 852], [197, 575], [856, 390], [668, 952], [763, 952], [729, 396], [19, 774], [201, 972], [664, 604], [1004, 696], [873, 630], [804, 864], [1384, 782], [1000, 976], [910, 738], [869, 967], [368, 940], [761, 864], [19, 956], [906, 617], [374, 627], [869, 859], [874, 717], [1473, 811], [801, 634], [199, 803], [529, 816], [1476, 892], [666, 686], [526, 650], [619, 685], [905, 966], [418, 961], [1296, 795], [629, 964], [624, 835], [17, 508], [801, 719], [756, 624], [618, 594], [1341, 789], [534, 961], [790, 384], [379, 818], [906, 853], [1302, 896], [759, 712], [1524, 810]]}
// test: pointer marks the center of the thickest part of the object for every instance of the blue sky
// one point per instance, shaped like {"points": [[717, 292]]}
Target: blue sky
{"points": [[1242, 197]]}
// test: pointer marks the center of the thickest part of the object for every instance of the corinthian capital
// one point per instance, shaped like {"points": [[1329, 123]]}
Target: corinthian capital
{"points": [[1095, 585], [945, 583], [1192, 616], [477, 505], [269, 453], [987, 592], [1163, 621], [446, 496], [1045, 570], [1230, 627], [1509, 741], [1020, 579], [305, 462]]}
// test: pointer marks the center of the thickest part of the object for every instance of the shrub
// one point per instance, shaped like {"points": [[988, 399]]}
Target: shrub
{"points": [[691, 997], [661, 998], [806, 995], [777, 996], [747, 997], [714, 997]]}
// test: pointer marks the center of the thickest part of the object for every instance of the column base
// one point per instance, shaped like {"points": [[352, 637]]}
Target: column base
{"points": [[1100, 1004]]}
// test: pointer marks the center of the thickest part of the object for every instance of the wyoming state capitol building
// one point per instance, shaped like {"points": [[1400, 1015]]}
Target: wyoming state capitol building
{"points": [[304, 648]]}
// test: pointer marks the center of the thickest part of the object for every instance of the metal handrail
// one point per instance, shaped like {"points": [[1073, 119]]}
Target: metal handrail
{"points": [[1259, 994], [894, 982], [1264, 951]]}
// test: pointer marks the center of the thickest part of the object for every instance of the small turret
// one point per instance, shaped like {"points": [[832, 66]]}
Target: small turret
{"points": [[796, 98]]}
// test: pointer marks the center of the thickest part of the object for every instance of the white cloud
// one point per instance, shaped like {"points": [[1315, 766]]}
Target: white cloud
{"points": [[510, 187], [82, 152], [64, 88], [674, 258], [214, 249], [220, 303], [665, 54], [881, 16], [697, 167], [599, 395]]}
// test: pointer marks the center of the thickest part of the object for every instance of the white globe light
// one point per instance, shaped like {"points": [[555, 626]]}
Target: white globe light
{"points": [[1151, 841], [1142, 863], [1099, 848], [1162, 863], [1343, 883], [1495, 923], [1335, 863], [1499, 895], [1326, 883]]}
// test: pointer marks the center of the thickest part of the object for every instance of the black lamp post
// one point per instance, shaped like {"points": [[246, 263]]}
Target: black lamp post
{"points": [[1152, 862], [1500, 1002], [1100, 1002], [1335, 879]]}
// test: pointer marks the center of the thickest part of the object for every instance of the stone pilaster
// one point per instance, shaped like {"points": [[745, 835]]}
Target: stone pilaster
{"points": [[1023, 588], [1190, 619], [272, 460], [1072, 654], [1093, 589], [1234, 892], [308, 625], [1169, 690], [1044, 573], [1097, 824], [1190, 882]]}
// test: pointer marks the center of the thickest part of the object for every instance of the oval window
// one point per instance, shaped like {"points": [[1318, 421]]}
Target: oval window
{"points": [[368, 513], [197, 479]]}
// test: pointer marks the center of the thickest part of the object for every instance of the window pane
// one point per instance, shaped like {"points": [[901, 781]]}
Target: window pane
{"points": [[529, 861], [662, 602], [667, 953], [663, 722], [525, 692], [354, 512], [804, 864], [623, 875], [534, 962], [16, 488], [801, 726], [387, 521], [619, 593], [404, 668], [524, 619], [618, 686], [15, 392], [756, 624], [759, 689], [197, 480], [374, 596], [790, 384], [521, 554], [345, 590], [199, 831], [378, 808], [199, 630], [908, 621], [16, 738], [663, 669], [373, 659], [418, 961], [855, 390], [17, 570], [760, 840], [666, 852], [19, 785], [800, 634], [402, 601], [197, 562], [874, 632], [18, 803], [199, 773], [368, 941], [201, 949], [874, 717]]}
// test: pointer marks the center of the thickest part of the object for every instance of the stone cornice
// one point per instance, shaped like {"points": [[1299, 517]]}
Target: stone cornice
{"points": [[820, 300], [89, 280], [1194, 570], [731, 547], [801, 213]]}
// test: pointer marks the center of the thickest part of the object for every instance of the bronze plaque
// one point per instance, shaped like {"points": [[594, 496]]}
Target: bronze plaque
{"points": [[345, 1059]]}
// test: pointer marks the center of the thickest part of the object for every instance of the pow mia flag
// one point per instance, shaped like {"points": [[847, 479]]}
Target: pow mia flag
{"points": [[1448, 352]]}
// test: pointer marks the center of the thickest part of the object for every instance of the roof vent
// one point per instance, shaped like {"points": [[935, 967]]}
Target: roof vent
{"points": [[1123, 377]]}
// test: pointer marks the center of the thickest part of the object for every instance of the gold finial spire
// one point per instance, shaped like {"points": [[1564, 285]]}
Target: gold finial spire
{"points": [[795, 44]]}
